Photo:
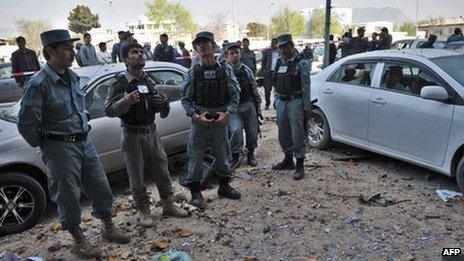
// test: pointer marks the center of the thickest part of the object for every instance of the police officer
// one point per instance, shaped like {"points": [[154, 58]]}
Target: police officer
{"points": [[359, 44], [293, 103], [248, 110], [163, 51], [248, 56], [134, 99], [53, 117], [210, 94]]}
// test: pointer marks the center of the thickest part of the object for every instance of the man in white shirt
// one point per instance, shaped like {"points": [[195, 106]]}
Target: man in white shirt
{"points": [[103, 56]]}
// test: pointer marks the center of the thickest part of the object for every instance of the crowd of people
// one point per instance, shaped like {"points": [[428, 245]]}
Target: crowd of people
{"points": [[219, 95]]}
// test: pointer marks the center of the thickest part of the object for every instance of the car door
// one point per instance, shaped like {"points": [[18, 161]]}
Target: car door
{"points": [[175, 128], [10, 91], [105, 132], [403, 123], [345, 99]]}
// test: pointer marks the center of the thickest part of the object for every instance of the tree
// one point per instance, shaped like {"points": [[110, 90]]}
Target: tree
{"points": [[410, 28], [317, 24], [81, 20], [218, 26], [257, 29], [179, 17], [288, 21], [31, 30]]}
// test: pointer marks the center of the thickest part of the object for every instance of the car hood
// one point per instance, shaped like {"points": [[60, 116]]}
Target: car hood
{"points": [[8, 130]]}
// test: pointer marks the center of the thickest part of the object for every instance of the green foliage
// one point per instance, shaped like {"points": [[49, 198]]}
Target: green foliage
{"points": [[179, 17], [410, 28], [288, 21], [257, 29], [31, 30], [81, 20], [317, 24]]}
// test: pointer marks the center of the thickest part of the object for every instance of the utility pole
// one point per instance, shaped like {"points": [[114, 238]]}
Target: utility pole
{"points": [[417, 17], [235, 21], [328, 7]]}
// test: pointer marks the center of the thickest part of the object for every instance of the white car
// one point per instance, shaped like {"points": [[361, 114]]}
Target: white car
{"points": [[404, 104]]}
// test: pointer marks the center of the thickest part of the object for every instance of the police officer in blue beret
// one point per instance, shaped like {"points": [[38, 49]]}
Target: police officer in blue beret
{"points": [[211, 94], [293, 103], [53, 117], [248, 110]]}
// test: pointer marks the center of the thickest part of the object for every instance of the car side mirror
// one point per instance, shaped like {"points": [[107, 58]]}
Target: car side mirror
{"points": [[436, 93]]}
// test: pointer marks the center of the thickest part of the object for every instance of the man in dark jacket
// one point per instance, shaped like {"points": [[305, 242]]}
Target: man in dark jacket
{"points": [[359, 44], [248, 56], [456, 37], [23, 60], [163, 51], [270, 57], [385, 40], [429, 43]]}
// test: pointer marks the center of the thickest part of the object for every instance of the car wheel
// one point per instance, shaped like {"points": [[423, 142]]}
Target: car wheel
{"points": [[22, 202], [460, 174], [318, 130]]}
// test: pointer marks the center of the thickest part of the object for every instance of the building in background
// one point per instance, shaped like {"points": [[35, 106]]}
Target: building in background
{"points": [[441, 27], [147, 31]]}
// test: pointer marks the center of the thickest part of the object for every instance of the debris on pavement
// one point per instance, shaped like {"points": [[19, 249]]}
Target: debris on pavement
{"points": [[171, 255], [379, 200], [449, 195], [356, 157]]}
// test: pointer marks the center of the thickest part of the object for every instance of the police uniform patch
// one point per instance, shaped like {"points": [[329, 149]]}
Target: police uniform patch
{"points": [[211, 74]]}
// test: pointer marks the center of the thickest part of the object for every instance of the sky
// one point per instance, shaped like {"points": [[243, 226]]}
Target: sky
{"points": [[115, 13]]}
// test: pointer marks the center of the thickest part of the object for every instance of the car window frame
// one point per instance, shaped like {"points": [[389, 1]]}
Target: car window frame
{"points": [[355, 61], [454, 97], [92, 84]]}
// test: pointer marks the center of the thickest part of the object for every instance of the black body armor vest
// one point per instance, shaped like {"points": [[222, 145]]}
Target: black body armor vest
{"points": [[210, 86], [288, 83]]}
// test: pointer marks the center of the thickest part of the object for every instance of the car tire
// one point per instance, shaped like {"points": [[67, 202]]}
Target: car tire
{"points": [[30, 204], [460, 174], [318, 130]]}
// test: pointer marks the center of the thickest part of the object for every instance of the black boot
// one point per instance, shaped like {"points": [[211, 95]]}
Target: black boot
{"points": [[235, 163], [225, 190], [286, 164], [251, 160], [299, 170], [82, 247], [197, 198], [110, 233]]}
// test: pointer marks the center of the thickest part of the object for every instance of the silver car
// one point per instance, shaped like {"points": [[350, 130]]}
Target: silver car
{"points": [[404, 104], [23, 189]]}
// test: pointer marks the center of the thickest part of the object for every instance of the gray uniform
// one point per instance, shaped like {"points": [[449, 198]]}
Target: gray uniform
{"points": [[88, 55], [214, 134], [53, 105], [290, 107], [246, 117], [140, 141], [248, 58]]}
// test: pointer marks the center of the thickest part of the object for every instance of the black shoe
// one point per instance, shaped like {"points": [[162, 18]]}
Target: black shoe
{"points": [[236, 160], [225, 190], [299, 170], [286, 164], [197, 198], [251, 160]]}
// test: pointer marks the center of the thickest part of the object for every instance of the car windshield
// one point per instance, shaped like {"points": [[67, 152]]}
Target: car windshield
{"points": [[453, 66]]}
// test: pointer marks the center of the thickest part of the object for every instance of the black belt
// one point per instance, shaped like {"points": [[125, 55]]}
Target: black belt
{"points": [[290, 97], [140, 129], [77, 137]]}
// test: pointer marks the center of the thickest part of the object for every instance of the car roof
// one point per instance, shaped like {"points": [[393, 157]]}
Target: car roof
{"points": [[91, 71], [407, 53], [456, 43]]}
